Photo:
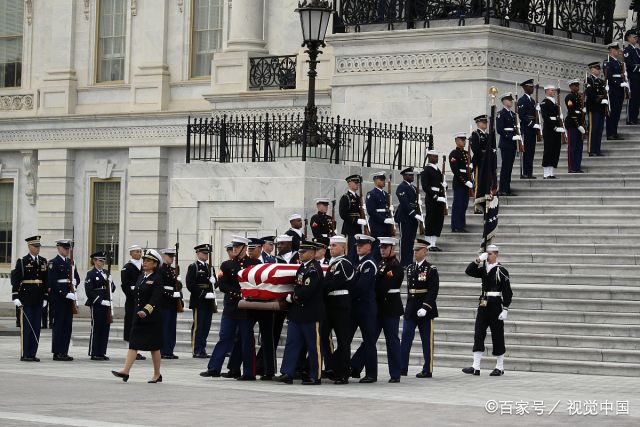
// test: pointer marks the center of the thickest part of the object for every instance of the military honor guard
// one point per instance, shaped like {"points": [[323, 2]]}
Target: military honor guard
{"points": [[286, 253], [29, 294], [128, 278], [171, 299], [435, 188], [201, 280], [62, 280], [575, 125], [615, 86], [305, 313], [321, 253], [508, 145], [380, 222], [408, 215], [295, 231], [632, 67], [98, 287], [493, 308], [364, 308], [597, 106], [349, 211], [266, 255], [336, 285], [321, 224], [552, 130], [460, 164], [528, 128], [423, 284]]}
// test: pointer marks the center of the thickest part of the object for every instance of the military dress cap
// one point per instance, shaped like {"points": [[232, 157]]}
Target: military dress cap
{"points": [[228, 246], [354, 178], [65, 243], [631, 32], [33, 240], [527, 83], [205, 247], [493, 248], [481, 118], [338, 238], [595, 64], [573, 82], [363, 238], [507, 95], [388, 241], [254, 242], [306, 245], [550, 87], [323, 200], [613, 45], [407, 171], [239, 240], [432, 152], [135, 248], [461, 135], [168, 251], [294, 217], [420, 244], [319, 245], [379, 175], [100, 256], [284, 238], [269, 239], [153, 255]]}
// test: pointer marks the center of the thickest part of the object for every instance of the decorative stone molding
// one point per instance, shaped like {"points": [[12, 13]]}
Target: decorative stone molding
{"points": [[30, 170], [29, 10], [531, 65], [16, 102], [95, 134], [87, 9], [104, 168], [134, 7], [180, 6], [257, 112]]}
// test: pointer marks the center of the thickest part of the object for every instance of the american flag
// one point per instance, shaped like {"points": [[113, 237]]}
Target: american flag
{"points": [[268, 281]]}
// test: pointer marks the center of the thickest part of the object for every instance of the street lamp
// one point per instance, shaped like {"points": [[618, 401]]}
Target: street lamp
{"points": [[314, 20]]}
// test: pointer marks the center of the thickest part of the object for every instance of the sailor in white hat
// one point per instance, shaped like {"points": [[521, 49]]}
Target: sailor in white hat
{"points": [[286, 254], [295, 231], [434, 186], [128, 277], [552, 131]]}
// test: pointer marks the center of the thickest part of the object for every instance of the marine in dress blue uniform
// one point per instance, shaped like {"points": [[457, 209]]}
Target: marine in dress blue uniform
{"points": [[321, 224], [459, 163], [574, 123], [29, 294], [408, 215], [596, 104], [423, 284], [528, 128], [62, 297], [96, 285], [349, 211], [505, 126], [434, 187], [171, 297], [615, 82], [632, 64], [201, 279], [380, 219]]}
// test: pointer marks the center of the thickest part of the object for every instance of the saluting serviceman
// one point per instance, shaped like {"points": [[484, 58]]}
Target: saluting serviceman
{"points": [[305, 313], [528, 128], [615, 85], [266, 255], [62, 295], [552, 131], [295, 231], [493, 308], [322, 224], [171, 296], [201, 279], [29, 294], [380, 223], [596, 108], [407, 215], [423, 284], [349, 210], [434, 187], [505, 126], [632, 63], [574, 123], [128, 278], [96, 286], [459, 162]]}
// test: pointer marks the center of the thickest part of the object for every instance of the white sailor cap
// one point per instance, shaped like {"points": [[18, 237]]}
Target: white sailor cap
{"points": [[613, 45], [388, 241], [462, 135], [65, 243], [168, 251], [239, 240], [284, 238], [363, 238], [573, 82], [549, 87], [152, 254], [493, 248], [135, 248], [324, 200], [338, 238], [432, 152], [295, 216], [380, 175], [506, 95]]}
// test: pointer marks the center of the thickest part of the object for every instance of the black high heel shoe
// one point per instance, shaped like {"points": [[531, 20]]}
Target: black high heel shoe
{"points": [[157, 380], [125, 377]]}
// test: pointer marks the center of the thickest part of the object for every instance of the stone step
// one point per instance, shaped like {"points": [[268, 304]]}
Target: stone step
{"points": [[564, 189], [514, 206], [592, 243], [523, 274], [586, 218], [511, 256], [610, 229], [584, 180], [615, 202]]}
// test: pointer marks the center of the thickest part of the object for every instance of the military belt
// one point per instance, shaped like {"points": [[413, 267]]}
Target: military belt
{"points": [[418, 291], [393, 291], [169, 288], [493, 294], [338, 293], [381, 210], [463, 170], [32, 282], [616, 75], [508, 129], [435, 188], [63, 281]]}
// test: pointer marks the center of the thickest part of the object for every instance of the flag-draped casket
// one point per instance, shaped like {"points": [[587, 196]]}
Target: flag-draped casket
{"points": [[268, 281]]}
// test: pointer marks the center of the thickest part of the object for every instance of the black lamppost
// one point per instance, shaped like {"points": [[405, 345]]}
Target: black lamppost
{"points": [[314, 19]]}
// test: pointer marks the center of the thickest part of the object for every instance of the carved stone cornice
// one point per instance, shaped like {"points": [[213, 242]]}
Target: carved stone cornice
{"points": [[94, 134], [16, 102]]}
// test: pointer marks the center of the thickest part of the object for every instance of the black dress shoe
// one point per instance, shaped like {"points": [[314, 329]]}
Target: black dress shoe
{"points": [[592, 154], [266, 378], [157, 380], [501, 193], [618, 138], [140, 357], [207, 373], [403, 373], [496, 373], [341, 381], [63, 358], [173, 356], [231, 374], [424, 375], [355, 374], [98, 358], [125, 377], [434, 249], [29, 359], [327, 375], [200, 356], [532, 177], [246, 378], [284, 378], [470, 370], [169, 356], [524, 177], [367, 380], [310, 381], [394, 380], [511, 193]]}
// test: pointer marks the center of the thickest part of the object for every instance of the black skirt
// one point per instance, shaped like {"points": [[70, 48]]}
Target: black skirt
{"points": [[146, 334]]}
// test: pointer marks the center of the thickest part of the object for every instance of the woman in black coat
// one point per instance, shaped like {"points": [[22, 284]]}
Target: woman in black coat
{"points": [[146, 330]]}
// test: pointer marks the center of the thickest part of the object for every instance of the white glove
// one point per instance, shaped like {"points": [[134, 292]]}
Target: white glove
{"points": [[44, 303], [17, 302], [289, 298], [388, 221], [106, 303], [209, 295], [469, 184], [584, 109], [179, 279], [606, 88], [537, 107], [74, 282], [536, 126], [362, 221], [422, 312], [212, 280], [503, 315], [419, 217], [559, 130], [516, 138], [624, 84], [176, 294], [110, 279], [71, 296], [582, 129], [444, 184], [604, 102], [483, 256], [470, 165], [442, 200]]}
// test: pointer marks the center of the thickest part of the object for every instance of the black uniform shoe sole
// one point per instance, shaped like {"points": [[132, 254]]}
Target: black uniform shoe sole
{"points": [[367, 380], [266, 378], [285, 379], [231, 375], [200, 356], [394, 380], [496, 373], [424, 375], [471, 371], [246, 379], [342, 381], [312, 382], [211, 374]]}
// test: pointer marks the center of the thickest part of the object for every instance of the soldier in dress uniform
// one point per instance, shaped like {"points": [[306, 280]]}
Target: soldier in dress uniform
{"points": [[321, 253], [596, 108], [408, 215], [171, 297], [552, 131], [460, 165], [423, 283], [96, 285], [493, 308], [388, 282], [305, 314], [505, 126], [380, 220], [29, 294], [349, 210], [266, 255], [201, 279], [363, 307], [286, 253], [128, 278], [62, 296], [295, 231], [528, 128], [336, 285], [615, 85], [321, 224], [478, 142], [632, 64], [434, 187], [574, 123]]}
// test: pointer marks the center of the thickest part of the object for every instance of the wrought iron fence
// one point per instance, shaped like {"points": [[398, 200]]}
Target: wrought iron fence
{"points": [[592, 18], [274, 137], [272, 72]]}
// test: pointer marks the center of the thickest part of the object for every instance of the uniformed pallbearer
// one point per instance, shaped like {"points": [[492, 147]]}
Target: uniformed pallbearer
{"points": [[434, 187], [96, 286], [552, 131], [380, 219], [408, 215], [29, 294], [349, 210], [478, 142], [201, 279], [171, 297]]}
